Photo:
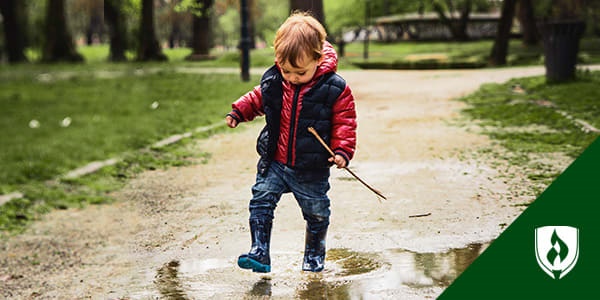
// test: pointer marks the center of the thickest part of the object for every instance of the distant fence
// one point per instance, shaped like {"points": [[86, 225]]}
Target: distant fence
{"points": [[425, 27]]}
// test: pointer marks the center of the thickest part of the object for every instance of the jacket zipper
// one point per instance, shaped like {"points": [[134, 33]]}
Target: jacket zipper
{"points": [[293, 125]]}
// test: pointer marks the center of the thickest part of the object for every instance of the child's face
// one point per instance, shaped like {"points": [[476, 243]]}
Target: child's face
{"points": [[302, 74]]}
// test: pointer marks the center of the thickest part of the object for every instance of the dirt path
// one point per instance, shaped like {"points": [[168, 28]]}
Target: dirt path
{"points": [[177, 233]]}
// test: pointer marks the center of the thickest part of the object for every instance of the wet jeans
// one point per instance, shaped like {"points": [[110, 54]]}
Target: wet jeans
{"points": [[309, 189]]}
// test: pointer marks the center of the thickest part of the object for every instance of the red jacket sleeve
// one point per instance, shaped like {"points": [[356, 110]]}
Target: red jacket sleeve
{"points": [[248, 107], [343, 130]]}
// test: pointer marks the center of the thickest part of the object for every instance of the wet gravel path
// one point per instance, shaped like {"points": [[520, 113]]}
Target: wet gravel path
{"points": [[176, 233]]}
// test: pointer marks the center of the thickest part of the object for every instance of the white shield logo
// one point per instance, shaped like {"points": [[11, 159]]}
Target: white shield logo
{"points": [[557, 249]]}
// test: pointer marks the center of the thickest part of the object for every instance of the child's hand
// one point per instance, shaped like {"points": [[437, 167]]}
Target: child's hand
{"points": [[338, 160], [231, 122]]}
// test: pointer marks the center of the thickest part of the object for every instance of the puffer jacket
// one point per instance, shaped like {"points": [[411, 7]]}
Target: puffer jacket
{"points": [[325, 103]]}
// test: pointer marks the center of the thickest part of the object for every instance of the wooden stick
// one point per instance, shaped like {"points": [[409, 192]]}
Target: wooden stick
{"points": [[420, 215], [316, 134]]}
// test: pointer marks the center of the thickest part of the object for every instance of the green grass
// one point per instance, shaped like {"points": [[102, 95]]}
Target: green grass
{"points": [[97, 55], [112, 110], [540, 121], [108, 116], [95, 188], [411, 54]]}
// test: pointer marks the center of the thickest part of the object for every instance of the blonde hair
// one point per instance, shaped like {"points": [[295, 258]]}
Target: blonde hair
{"points": [[300, 36]]}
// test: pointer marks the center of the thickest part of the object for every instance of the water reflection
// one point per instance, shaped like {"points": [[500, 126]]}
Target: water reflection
{"points": [[262, 288], [359, 275], [168, 283], [444, 268], [346, 262], [315, 287], [420, 270]]}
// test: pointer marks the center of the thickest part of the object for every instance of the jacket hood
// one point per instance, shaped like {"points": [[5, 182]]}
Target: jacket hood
{"points": [[329, 61]]}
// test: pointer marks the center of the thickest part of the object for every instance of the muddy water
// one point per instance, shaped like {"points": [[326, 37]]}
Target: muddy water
{"points": [[349, 275]]}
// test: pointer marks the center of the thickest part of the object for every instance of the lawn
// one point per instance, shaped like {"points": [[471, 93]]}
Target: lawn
{"points": [[532, 120], [53, 125], [553, 113], [56, 118], [473, 54]]}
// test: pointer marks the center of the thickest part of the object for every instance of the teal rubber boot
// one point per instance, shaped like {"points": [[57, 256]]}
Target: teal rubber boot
{"points": [[258, 259]]}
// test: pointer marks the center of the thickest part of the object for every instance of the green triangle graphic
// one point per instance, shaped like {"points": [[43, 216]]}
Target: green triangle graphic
{"points": [[508, 269]]}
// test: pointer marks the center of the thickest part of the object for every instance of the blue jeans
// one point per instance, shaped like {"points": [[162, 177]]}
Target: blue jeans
{"points": [[309, 189]]}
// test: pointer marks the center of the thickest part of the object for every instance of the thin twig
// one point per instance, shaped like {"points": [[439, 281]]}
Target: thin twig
{"points": [[316, 134], [420, 215]]}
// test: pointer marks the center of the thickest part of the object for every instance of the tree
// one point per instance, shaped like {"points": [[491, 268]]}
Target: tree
{"points": [[457, 26], [314, 7], [252, 12], [86, 19], [266, 21], [527, 20], [116, 29], [58, 44], [202, 30], [13, 13], [175, 36], [351, 13], [148, 48], [95, 24], [177, 20], [500, 48], [175, 23]]}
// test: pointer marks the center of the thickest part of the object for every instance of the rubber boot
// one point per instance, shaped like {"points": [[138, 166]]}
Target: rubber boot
{"points": [[314, 251], [258, 258]]}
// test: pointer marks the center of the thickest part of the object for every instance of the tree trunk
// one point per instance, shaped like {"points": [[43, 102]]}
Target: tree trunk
{"points": [[314, 7], [14, 38], [463, 22], [528, 26], [175, 34], [148, 48], [500, 47], [58, 44], [252, 8], [202, 32], [95, 25], [116, 30], [457, 27]]}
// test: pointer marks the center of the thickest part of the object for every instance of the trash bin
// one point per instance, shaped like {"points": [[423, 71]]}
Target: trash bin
{"points": [[561, 45]]}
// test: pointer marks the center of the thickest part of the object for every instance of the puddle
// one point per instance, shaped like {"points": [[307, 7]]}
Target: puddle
{"points": [[348, 274], [201, 266], [261, 288], [417, 270], [316, 288], [168, 283], [351, 262]]}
